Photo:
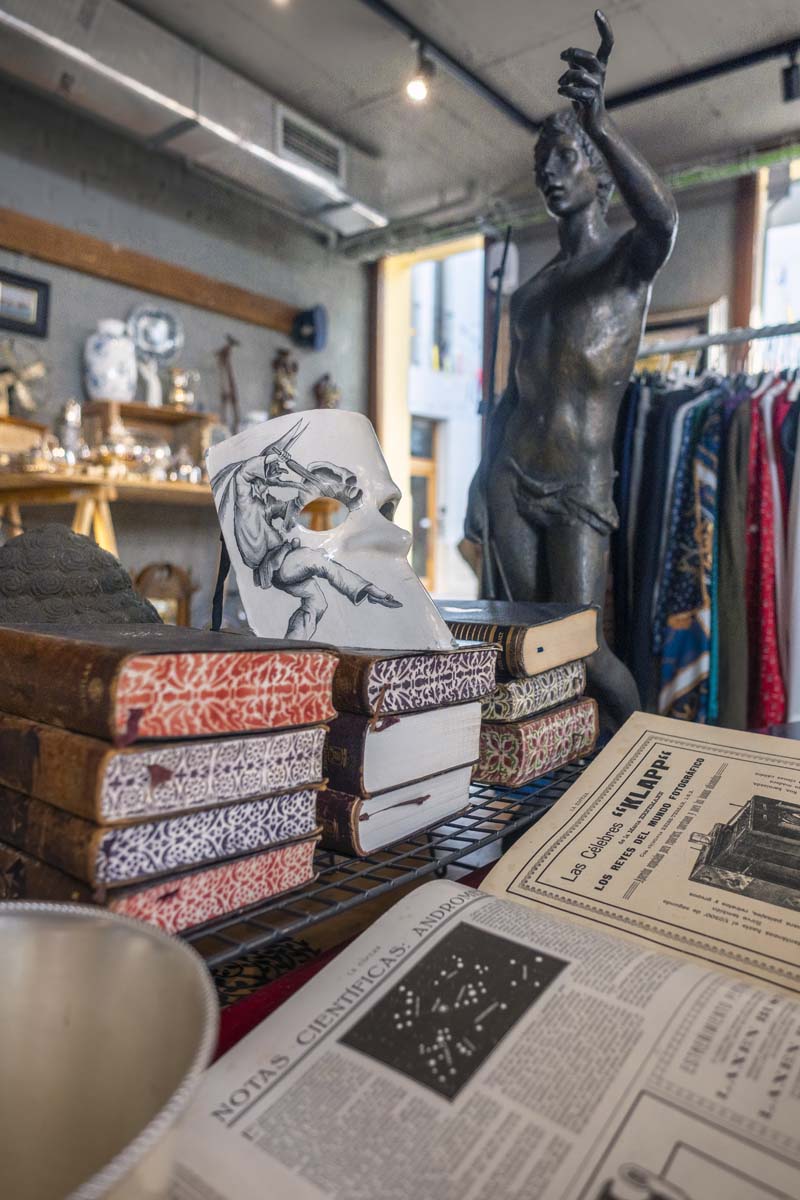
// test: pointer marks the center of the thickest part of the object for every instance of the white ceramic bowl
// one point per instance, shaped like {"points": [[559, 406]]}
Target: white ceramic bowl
{"points": [[106, 1025]]}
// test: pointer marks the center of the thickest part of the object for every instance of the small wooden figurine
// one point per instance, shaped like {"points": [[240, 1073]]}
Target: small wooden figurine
{"points": [[284, 383], [326, 392]]}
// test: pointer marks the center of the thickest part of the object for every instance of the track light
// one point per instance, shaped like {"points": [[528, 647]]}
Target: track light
{"points": [[790, 78], [418, 86]]}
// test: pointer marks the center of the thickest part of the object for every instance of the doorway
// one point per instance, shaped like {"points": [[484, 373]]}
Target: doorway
{"points": [[429, 388]]}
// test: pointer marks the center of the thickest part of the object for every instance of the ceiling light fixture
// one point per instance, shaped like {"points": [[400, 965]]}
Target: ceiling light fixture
{"points": [[790, 79], [418, 86], [304, 174]]}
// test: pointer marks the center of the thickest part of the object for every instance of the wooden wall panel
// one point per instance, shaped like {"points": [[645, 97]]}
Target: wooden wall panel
{"points": [[108, 260]]}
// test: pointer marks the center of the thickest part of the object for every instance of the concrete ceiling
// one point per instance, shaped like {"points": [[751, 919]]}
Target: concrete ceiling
{"points": [[342, 65]]}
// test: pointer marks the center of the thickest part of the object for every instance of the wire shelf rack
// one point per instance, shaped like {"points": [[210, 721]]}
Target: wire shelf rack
{"points": [[343, 883]]}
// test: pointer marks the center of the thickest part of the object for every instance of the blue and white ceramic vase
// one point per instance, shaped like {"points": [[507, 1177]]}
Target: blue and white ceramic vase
{"points": [[109, 358]]}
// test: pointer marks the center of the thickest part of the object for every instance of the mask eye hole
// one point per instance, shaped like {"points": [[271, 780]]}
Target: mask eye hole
{"points": [[322, 514], [388, 509]]}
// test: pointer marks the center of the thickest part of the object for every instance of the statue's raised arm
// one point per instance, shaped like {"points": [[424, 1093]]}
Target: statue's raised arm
{"points": [[542, 503], [648, 199]]}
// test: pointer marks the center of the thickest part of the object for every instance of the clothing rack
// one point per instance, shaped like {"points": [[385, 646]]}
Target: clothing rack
{"points": [[731, 337]]}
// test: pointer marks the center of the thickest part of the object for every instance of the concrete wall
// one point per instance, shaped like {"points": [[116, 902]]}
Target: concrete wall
{"points": [[56, 165], [702, 263]]}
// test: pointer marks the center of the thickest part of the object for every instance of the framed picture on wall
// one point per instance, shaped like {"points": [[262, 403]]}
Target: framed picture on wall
{"points": [[24, 304]]}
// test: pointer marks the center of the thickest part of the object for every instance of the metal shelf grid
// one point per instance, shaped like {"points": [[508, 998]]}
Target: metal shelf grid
{"points": [[343, 883]]}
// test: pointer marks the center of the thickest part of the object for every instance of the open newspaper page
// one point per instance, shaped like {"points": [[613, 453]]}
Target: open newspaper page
{"points": [[466, 1048], [684, 836]]}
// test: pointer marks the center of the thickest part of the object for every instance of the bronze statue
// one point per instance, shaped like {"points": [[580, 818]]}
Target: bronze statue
{"points": [[541, 504]]}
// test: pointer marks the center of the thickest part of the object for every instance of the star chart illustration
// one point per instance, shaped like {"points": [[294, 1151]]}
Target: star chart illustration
{"points": [[443, 1021]]}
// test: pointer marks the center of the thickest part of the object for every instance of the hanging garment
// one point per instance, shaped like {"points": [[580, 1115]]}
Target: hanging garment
{"points": [[768, 402], [788, 439], [685, 610], [647, 546], [691, 400], [793, 579], [642, 411], [780, 412], [622, 498], [767, 697], [731, 605]]}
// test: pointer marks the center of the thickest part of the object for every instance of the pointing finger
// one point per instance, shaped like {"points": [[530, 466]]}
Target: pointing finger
{"points": [[579, 79], [582, 58], [606, 36], [577, 93]]}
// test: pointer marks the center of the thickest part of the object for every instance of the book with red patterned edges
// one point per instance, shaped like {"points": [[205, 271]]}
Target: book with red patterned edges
{"points": [[173, 902], [513, 754], [130, 683]]}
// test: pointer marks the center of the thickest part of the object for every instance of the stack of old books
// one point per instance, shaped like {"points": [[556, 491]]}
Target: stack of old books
{"points": [[537, 719], [167, 774], [400, 755]]}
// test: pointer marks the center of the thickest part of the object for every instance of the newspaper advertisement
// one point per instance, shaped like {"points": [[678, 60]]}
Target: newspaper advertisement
{"points": [[468, 1048], [683, 835]]}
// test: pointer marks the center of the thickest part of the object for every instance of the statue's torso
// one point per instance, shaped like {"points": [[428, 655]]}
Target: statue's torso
{"points": [[576, 328]]}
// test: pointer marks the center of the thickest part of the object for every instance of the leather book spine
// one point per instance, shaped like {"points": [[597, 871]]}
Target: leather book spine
{"points": [[58, 838], [350, 683], [510, 639], [23, 877], [343, 758], [338, 814], [63, 682], [55, 765]]}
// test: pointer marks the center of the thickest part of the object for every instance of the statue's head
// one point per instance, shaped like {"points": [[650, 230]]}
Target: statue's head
{"points": [[570, 171]]}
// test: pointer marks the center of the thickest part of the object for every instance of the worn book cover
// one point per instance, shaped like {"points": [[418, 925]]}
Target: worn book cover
{"points": [[119, 855], [371, 754], [391, 681], [361, 824], [515, 754], [533, 637], [173, 903], [133, 682], [111, 785], [516, 699]]}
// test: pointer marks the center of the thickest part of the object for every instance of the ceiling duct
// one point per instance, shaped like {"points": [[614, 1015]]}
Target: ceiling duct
{"points": [[125, 69]]}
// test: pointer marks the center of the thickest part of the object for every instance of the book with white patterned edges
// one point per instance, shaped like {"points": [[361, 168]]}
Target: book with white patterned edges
{"points": [[391, 681], [110, 785], [516, 699], [124, 854]]}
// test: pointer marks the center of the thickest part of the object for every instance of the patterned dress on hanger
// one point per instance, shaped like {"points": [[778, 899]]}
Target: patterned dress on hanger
{"points": [[685, 616], [766, 692]]}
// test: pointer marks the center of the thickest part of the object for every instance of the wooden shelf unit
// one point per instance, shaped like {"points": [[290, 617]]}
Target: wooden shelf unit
{"points": [[178, 426], [92, 498]]}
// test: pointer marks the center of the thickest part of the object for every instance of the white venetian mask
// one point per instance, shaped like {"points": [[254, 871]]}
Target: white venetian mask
{"points": [[350, 585]]}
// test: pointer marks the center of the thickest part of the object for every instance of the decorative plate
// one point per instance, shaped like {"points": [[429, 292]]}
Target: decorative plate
{"points": [[156, 332]]}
